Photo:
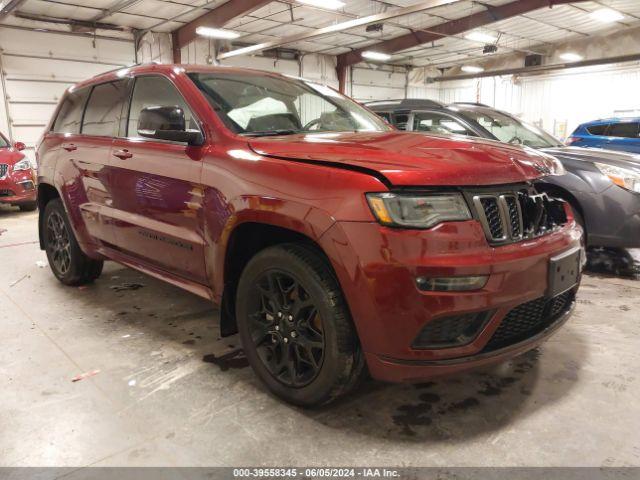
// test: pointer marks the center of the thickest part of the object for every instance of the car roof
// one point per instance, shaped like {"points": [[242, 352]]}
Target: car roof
{"points": [[416, 104], [613, 120], [167, 69]]}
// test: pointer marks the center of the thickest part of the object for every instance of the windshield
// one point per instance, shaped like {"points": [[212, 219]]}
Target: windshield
{"points": [[4, 143], [511, 130], [254, 104]]}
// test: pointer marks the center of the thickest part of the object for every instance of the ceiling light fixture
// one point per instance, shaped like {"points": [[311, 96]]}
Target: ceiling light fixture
{"points": [[471, 69], [606, 15], [571, 57], [330, 4], [217, 33], [371, 55], [480, 37]]}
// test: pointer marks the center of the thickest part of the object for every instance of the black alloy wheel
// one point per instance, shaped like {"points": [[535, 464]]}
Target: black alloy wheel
{"points": [[286, 328]]}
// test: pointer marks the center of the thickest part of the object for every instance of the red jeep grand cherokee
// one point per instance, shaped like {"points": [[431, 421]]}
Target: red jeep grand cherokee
{"points": [[330, 241], [17, 176]]}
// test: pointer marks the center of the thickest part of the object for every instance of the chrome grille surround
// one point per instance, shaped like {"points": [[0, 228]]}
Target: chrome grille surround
{"points": [[514, 213]]}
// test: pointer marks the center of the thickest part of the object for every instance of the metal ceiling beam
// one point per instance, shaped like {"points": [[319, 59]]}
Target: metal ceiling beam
{"points": [[115, 8], [453, 27], [543, 68], [339, 27], [216, 17], [10, 7]]}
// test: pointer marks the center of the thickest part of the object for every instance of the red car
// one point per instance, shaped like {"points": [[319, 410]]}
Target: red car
{"points": [[17, 176], [332, 242]]}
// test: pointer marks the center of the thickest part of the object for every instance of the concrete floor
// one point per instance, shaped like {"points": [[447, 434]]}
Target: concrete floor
{"points": [[162, 397]]}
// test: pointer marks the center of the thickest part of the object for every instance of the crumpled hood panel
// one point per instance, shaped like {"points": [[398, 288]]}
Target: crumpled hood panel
{"points": [[412, 158]]}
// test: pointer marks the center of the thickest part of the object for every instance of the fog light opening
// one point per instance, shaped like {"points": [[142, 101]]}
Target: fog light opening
{"points": [[449, 284]]}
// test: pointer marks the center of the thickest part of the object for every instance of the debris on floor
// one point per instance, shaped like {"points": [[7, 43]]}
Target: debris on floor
{"points": [[41, 264], [614, 261], [126, 286], [235, 359], [26, 275], [82, 376]]}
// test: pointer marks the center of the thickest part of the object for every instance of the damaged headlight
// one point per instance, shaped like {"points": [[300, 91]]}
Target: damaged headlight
{"points": [[23, 164], [623, 177], [417, 211]]}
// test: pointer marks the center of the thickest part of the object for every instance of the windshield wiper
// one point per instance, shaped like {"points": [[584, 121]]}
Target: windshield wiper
{"points": [[271, 133]]}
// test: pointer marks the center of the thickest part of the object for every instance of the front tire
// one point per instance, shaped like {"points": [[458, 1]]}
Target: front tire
{"points": [[67, 261], [295, 326]]}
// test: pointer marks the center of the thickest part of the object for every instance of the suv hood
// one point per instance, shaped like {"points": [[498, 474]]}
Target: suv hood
{"points": [[412, 158], [611, 157]]}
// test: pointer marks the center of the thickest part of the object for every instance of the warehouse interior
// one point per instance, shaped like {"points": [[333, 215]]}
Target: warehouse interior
{"points": [[162, 388]]}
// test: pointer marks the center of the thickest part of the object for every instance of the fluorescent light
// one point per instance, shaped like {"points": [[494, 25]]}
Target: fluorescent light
{"points": [[330, 4], [480, 37], [471, 69], [216, 33], [606, 15], [571, 57], [375, 55]]}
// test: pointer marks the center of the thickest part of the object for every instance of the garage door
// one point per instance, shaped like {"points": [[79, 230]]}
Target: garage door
{"points": [[37, 67]]}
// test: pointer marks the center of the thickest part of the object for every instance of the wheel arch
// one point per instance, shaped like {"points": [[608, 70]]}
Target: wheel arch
{"points": [[245, 241]]}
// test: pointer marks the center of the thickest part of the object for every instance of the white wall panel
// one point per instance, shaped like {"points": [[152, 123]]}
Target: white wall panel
{"points": [[37, 68], [559, 101]]}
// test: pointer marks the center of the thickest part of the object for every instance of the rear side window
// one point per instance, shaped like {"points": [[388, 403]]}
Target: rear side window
{"points": [[156, 91], [70, 114], [597, 129], [624, 130], [102, 115], [401, 121], [384, 115]]}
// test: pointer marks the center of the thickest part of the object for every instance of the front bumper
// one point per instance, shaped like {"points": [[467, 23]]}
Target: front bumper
{"points": [[612, 217], [377, 268], [18, 187]]}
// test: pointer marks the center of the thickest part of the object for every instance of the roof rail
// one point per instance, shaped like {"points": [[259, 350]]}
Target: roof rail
{"points": [[406, 103], [476, 104]]}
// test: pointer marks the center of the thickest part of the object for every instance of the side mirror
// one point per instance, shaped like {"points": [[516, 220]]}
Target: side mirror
{"points": [[167, 123], [19, 146]]}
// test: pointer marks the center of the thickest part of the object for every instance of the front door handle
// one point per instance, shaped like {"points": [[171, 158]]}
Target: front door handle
{"points": [[69, 147], [123, 154]]}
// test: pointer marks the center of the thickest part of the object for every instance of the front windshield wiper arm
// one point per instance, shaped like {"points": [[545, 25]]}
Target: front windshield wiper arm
{"points": [[271, 133]]}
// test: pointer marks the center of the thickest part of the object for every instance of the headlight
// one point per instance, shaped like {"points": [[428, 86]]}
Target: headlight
{"points": [[623, 177], [553, 164], [417, 211], [23, 164]]}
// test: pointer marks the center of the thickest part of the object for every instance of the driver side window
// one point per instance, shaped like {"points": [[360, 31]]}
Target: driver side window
{"points": [[440, 124], [155, 91]]}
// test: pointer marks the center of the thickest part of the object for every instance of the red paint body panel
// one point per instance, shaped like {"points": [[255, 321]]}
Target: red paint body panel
{"points": [[12, 186], [170, 210]]}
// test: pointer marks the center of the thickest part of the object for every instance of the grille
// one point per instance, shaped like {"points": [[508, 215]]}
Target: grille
{"points": [[518, 214], [452, 331], [3, 169], [528, 319], [492, 214], [6, 193]]}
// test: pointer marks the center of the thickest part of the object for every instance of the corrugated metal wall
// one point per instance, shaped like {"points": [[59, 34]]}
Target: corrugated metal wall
{"points": [[558, 101], [37, 67]]}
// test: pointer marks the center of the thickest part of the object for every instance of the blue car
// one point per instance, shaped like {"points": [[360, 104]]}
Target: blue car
{"points": [[612, 134]]}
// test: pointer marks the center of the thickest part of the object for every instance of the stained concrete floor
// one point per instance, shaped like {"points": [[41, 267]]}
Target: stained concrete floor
{"points": [[163, 397]]}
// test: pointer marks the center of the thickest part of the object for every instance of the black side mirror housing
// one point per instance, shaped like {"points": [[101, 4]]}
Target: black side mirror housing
{"points": [[167, 123]]}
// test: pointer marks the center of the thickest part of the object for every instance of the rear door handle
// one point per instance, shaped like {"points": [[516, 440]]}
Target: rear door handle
{"points": [[69, 147], [123, 154]]}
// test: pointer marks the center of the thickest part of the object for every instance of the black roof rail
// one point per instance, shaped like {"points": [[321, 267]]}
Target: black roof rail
{"points": [[475, 104], [405, 104]]}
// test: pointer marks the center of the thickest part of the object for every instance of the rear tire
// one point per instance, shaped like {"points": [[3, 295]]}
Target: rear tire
{"points": [[28, 207], [295, 326], [67, 261]]}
